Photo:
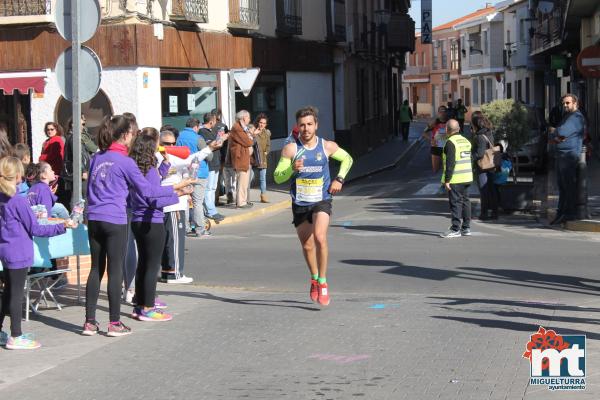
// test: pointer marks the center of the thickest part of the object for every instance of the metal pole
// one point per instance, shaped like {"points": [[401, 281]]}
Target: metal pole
{"points": [[76, 47], [231, 99]]}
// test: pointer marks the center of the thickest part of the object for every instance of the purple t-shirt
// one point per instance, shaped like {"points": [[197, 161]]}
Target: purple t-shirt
{"points": [[110, 178], [150, 210], [18, 225], [40, 193]]}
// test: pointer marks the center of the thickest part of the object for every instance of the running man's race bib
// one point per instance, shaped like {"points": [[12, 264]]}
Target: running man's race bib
{"points": [[309, 190]]}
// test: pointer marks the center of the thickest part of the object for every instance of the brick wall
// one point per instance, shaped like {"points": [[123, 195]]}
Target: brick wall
{"points": [[85, 264]]}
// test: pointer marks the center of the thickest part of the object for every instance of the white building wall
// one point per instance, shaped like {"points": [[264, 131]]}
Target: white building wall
{"points": [[125, 89], [309, 88], [218, 16]]}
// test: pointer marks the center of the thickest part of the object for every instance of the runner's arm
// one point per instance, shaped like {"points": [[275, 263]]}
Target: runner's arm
{"points": [[345, 159], [284, 170]]}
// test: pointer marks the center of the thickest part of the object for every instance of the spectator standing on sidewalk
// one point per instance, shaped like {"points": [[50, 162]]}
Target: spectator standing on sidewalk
{"points": [[190, 138], [568, 138], [214, 165], [406, 117], [483, 140], [224, 174], [457, 177], [240, 144], [461, 111], [263, 140]]}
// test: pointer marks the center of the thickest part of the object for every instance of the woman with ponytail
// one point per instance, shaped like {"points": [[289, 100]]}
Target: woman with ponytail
{"points": [[113, 174]]}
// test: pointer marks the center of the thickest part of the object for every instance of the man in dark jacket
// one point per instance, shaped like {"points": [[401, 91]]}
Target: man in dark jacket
{"points": [[568, 137], [214, 165]]}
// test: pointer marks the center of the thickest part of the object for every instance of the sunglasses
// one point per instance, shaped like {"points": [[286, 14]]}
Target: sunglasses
{"points": [[50, 129], [169, 143]]}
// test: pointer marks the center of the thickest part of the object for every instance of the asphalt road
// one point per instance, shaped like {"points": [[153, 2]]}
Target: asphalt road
{"points": [[412, 316]]}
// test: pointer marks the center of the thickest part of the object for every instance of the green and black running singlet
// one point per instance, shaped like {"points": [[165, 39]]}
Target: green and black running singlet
{"points": [[311, 184]]}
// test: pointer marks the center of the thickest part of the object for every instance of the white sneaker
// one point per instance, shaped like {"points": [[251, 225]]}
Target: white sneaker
{"points": [[450, 234], [183, 279], [129, 296]]}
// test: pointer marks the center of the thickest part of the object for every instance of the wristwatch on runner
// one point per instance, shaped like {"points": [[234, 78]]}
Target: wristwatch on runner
{"points": [[340, 179]]}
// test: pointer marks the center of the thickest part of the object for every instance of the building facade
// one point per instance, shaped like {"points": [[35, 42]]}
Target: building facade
{"points": [[167, 61]]}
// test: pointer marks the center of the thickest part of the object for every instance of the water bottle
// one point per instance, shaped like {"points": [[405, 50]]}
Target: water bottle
{"points": [[77, 213], [193, 168]]}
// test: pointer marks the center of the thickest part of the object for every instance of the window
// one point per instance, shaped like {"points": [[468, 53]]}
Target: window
{"points": [[509, 90], [527, 89], [444, 93], [467, 97], [444, 54], [485, 42], [186, 94], [489, 95], [507, 36], [482, 83], [454, 57], [434, 63], [519, 91], [423, 94], [597, 24], [463, 48], [475, 85], [522, 31]]}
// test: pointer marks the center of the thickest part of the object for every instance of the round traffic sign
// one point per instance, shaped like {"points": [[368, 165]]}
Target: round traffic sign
{"points": [[89, 19], [90, 70]]}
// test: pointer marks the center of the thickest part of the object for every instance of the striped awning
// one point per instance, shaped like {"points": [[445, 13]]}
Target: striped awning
{"points": [[23, 82]]}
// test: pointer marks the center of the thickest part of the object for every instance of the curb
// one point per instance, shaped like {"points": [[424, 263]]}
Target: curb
{"points": [[398, 160], [282, 205], [583, 225]]}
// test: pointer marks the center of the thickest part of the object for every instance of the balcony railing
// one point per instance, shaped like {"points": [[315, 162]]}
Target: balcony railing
{"points": [[475, 60], [243, 14], [190, 10], [289, 17], [417, 70], [547, 30], [25, 11]]}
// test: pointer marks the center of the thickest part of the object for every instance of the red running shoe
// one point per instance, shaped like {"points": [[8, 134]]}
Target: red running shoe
{"points": [[323, 294], [314, 290]]}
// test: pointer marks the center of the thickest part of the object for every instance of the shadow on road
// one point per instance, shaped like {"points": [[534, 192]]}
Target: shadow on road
{"points": [[388, 228], [249, 302]]}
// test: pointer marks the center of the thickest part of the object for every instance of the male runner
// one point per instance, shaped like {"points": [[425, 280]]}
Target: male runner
{"points": [[306, 161]]}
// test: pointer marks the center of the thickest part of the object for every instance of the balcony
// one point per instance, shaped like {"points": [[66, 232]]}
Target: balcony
{"points": [[195, 11], [546, 31], [417, 70], [289, 17], [475, 60], [25, 11], [243, 14]]}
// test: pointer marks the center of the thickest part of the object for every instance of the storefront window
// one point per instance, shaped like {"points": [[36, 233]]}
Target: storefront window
{"points": [[187, 94], [267, 96]]}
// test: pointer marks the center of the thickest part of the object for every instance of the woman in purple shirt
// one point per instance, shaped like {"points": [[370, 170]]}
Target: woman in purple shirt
{"points": [[18, 225], [112, 175], [147, 224], [40, 177]]}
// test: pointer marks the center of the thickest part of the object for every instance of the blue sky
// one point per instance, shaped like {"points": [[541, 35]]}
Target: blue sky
{"points": [[446, 10]]}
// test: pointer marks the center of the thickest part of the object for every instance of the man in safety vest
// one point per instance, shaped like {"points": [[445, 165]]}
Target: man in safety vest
{"points": [[457, 176]]}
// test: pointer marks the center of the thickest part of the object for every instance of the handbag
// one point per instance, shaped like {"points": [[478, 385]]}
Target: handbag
{"points": [[492, 158]]}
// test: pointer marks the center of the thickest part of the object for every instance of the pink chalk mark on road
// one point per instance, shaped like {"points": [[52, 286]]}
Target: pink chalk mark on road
{"points": [[339, 359]]}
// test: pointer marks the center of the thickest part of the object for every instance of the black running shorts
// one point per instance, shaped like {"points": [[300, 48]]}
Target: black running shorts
{"points": [[305, 213]]}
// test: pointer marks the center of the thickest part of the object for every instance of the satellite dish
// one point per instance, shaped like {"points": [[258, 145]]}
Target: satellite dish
{"points": [[546, 6]]}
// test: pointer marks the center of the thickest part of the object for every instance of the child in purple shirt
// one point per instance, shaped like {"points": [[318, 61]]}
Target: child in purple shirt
{"points": [[18, 225], [40, 177]]}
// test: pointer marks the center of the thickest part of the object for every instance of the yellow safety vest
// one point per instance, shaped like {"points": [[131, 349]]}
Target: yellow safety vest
{"points": [[463, 172]]}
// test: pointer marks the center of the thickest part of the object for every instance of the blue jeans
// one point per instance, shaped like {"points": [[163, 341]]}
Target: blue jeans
{"points": [[211, 189], [59, 211], [262, 172]]}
